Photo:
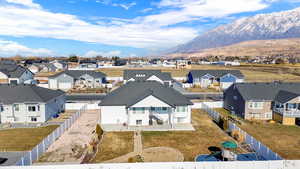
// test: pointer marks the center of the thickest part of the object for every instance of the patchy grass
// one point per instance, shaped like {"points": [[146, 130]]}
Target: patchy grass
{"points": [[114, 144], [23, 139], [190, 143], [285, 140], [90, 90]]}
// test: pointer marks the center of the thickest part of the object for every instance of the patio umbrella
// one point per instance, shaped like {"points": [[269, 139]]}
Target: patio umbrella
{"points": [[229, 144]]}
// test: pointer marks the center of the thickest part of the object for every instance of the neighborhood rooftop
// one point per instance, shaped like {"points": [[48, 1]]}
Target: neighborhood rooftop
{"points": [[267, 91], [26, 93], [134, 92], [79, 73], [142, 75], [12, 70], [216, 73]]}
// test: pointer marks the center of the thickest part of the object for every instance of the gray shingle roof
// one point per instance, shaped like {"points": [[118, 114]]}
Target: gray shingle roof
{"points": [[285, 96], [133, 92], [265, 91], [77, 73], [128, 74], [13, 70], [10, 94], [216, 73]]}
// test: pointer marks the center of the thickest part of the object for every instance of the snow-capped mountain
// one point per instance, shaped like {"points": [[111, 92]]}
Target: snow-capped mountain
{"points": [[276, 25]]}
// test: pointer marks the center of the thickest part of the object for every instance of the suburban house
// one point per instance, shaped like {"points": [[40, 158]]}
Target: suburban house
{"points": [[59, 64], [264, 101], [77, 78], [214, 78], [147, 75], [88, 64], [42, 67], [29, 103], [13, 73], [144, 103]]}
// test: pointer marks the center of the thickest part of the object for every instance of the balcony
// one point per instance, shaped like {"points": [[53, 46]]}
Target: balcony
{"points": [[288, 112]]}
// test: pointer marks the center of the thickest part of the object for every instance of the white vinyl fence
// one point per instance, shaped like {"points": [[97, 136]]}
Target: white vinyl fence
{"points": [[257, 146], [278, 164], [42, 147]]}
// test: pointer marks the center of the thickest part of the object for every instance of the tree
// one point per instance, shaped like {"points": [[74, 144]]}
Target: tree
{"points": [[279, 61], [73, 58]]}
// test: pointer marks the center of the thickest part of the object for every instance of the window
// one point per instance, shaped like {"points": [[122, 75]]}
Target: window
{"points": [[140, 110], [181, 109], [139, 122], [164, 109], [16, 107], [256, 105], [33, 119]]}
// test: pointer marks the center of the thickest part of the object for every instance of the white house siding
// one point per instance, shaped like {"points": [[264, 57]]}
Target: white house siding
{"points": [[3, 76], [155, 78], [63, 82], [113, 115], [239, 80], [182, 117], [225, 85], [151, 101], [133, 117], [23, 115]]}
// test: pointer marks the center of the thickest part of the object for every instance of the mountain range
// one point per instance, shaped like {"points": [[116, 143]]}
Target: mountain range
{"points": [[277, 25]]}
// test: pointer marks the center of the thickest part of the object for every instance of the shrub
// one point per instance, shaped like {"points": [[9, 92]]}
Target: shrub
{"points": [[136, 159], [99, 131]]}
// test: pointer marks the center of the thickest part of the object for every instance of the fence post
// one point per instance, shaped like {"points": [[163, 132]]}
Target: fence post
{"points": [[22, 159], [30, 159], [37, 152]]}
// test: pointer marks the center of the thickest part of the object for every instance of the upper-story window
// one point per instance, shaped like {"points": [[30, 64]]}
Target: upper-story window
{"points": [[140, 75], [181, 109], [256, 105], [16, 107], [33, 108]]}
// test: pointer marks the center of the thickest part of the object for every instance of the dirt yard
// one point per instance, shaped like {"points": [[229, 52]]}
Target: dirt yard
{"points": [[23, 139], [285, 140], [114, 144], [190, 143], [72, 144]]}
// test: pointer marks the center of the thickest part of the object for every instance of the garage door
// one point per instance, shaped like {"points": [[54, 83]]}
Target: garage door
{"points": [[64, 85]]}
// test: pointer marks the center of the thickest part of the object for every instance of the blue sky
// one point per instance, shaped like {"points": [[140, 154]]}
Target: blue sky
{"points": [[116, 27]]}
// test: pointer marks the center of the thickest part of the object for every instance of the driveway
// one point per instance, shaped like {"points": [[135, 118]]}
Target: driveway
{"points": [[71, 145]]}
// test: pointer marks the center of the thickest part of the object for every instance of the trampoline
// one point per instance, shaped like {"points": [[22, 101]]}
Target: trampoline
{"points": [[240, 157]]}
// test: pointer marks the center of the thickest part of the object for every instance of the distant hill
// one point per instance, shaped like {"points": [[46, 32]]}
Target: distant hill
{"points": [[278, 47], [278, 25]]}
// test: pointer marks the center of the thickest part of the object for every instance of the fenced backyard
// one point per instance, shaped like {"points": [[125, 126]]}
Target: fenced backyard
{"points": [[33, 155], [260, 149]]}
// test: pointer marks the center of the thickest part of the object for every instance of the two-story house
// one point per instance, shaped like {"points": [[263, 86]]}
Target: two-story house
{"points": [[29, 103], [144, 103], [264, 101]]}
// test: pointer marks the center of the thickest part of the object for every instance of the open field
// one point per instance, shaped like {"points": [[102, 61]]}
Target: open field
{"points": [[199, 89], [114, 144], [23, 139], [284, 140], [252, 72], [190, 143]]}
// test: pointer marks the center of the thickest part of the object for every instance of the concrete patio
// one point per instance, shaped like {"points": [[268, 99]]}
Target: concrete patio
{"points": [[165, 127]]}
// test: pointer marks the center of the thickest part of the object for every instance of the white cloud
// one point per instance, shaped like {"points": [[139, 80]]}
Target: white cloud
{"points": [[105, 54], [125, 6], [27, 3], [146, 10], [151, 31], [10, 48]]}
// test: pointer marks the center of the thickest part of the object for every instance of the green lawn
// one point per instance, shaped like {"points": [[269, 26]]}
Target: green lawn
{"points": [[23, 139]]}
